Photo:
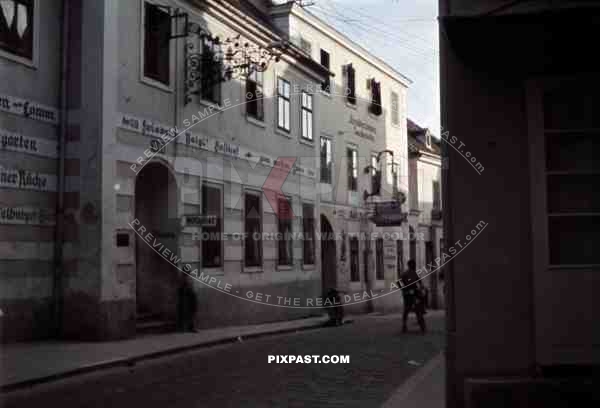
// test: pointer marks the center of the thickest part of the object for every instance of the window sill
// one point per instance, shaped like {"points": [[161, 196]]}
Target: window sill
{"points": [[156, 84], [285, 268], [214, 271], [253, 269], [283, 133], [19, 60], [215, 105], [256, 122], [309, 267], [307, 142], [350, 105]]}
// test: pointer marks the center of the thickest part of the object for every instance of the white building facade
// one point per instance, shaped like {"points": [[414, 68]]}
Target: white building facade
{"points": [[425, 216], [126, 165], [90, 146], [363, 116]]}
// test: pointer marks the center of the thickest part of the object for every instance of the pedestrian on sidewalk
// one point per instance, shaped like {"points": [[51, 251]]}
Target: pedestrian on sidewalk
{"points": [[414, 296], [186, 306], [336, 313]]}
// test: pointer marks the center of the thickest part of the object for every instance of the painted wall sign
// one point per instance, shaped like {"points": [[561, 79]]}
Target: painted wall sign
{"points": [[228, 149], [154, 129], [199, 220], [363, 129], [26, 216], [16, 142], [28, 109], [144, 127], [27, 180]]}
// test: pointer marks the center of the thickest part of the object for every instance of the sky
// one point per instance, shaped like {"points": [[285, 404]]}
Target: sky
{"points": [[404, 33]]}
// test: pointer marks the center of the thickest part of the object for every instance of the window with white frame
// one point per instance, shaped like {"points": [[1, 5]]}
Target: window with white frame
{"points": [[212, 244], [283, 104], [352, 168], [157, 43], [17, 27], [252, 229], [326, 161], [307, 116], [254, 96]]}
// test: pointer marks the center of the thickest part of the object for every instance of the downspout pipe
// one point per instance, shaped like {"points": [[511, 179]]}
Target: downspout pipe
{"points": [[57, 281]]}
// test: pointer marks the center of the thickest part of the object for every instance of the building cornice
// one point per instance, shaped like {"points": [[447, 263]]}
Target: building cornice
{"points": [[254, 30]]}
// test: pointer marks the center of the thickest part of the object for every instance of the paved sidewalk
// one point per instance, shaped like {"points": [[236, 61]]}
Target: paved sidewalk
{"points": [[25, 364], [425, 389]]}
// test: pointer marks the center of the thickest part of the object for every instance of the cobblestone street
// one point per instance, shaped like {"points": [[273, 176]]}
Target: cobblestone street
{"points": [[381, 360]]}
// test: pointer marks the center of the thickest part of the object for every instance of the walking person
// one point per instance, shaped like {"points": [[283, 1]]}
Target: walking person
{"points": [[413, 294], [186, 306]]}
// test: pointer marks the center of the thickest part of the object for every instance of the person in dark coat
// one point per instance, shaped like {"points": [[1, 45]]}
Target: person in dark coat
{"points": [[186, 306], [336, 313], [412, 292]]}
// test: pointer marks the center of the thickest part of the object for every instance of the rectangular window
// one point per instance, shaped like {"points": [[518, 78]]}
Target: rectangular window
{"points": [[16, 27], [283, 104], [326, 161], [212, 248], [354, 273], [254, 96], [399, 258], [285, 243], [375, 108], [326, 62], [308, 232], [253, 229], [157, 43], [307, 116], [375, 176], [395, 104], [352, 162], [211, 72], [367, 259], [572, 173], [436, 195], [379, 259], [350, 83]]}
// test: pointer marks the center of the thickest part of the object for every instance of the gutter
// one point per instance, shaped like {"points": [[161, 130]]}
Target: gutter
{"points": [[57, 278]]}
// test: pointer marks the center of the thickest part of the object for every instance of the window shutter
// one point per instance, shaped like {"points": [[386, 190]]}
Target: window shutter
{"points": [[351, 84]]}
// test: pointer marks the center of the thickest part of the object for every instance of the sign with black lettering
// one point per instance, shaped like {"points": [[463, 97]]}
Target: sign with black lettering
{"points": [[26, 180], [28, 109], [199, 220], [16, 142]]}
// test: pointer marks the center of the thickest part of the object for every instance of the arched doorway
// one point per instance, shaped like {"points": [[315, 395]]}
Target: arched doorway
{"points": [[328, 255], [157, 280]]}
